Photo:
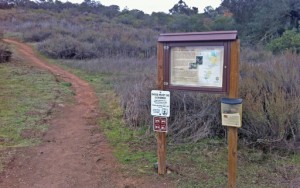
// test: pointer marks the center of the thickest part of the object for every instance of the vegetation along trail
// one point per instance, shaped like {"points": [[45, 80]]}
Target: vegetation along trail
{"points": [[74, 153]]}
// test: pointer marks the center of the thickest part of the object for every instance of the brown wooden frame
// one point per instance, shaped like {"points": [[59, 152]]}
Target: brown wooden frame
{"points": [[217, 38]]}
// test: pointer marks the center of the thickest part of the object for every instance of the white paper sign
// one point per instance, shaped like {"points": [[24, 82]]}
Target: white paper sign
{"points": [[160, 103], [233, 120]]}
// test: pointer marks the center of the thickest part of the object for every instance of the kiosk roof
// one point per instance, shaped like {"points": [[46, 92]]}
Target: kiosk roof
{"points": [[198, 36]]}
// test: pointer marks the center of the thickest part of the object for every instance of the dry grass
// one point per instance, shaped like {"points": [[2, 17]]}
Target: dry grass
{"points": [[271, 90], [269, 86]]}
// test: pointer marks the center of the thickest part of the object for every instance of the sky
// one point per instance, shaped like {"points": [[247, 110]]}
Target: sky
{"points": [[149, 6]]}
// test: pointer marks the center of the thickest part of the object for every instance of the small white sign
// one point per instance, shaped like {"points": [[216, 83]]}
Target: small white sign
{"points": [[233, 120], [160, 103]]}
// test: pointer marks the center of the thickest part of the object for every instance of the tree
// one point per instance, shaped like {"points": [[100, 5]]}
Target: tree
{"points": [[210, 12], [182, 8], [91, 6], [263, 20], [243, 10], [91, 3], [6, 4], [111, 11], [293, 13]]}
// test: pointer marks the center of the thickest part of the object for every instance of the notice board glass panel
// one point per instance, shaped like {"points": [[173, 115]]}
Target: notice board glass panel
{"points": [[197, 66]]}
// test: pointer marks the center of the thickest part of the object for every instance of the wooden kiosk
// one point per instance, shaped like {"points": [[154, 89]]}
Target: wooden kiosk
{"points": [[206, 62]]}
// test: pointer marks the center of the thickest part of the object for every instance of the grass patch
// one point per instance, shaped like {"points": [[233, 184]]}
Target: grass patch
{"points": [[204, 164], [126, 141], [27, 98], [201, 164], [67, 84]]}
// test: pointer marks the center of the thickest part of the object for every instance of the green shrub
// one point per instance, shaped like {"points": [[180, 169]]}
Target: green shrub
{"points": [[290, 40]]}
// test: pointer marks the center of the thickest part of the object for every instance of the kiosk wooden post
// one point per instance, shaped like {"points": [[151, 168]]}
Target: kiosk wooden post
{"points": [[161, 136], [233, 131]]}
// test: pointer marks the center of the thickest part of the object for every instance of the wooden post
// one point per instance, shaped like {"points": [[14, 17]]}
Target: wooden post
{"points": [[233, 131], [161, 136]]}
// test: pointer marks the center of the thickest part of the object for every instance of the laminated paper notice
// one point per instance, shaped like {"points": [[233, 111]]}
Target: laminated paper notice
{"points": [[233, 120], [199, 66]]}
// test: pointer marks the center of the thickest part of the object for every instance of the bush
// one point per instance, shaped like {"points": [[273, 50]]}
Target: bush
{"points": [[66, 47], [5, 53], [134, 92], [271, 93], [270, 87], [271, 118], [195, 116], [37, 35], [290, 40]]}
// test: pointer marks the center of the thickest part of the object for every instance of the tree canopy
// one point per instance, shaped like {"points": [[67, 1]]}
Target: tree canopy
{"points": [[182, 8], [264, 20], [257, 21]]}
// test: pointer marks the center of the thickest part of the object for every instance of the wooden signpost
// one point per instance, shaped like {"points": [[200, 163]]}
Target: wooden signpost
{"points": [[161, 136], [207, 62], [233, 131]]}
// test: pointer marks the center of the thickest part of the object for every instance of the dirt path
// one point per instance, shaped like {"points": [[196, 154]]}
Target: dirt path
{"points": [[74, 153]]}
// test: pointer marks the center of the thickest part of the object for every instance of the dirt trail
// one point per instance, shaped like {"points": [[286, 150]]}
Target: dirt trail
{"points": [[74, 153]]}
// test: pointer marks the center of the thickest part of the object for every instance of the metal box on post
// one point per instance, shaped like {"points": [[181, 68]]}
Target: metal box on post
{"points": [[231, 111]]}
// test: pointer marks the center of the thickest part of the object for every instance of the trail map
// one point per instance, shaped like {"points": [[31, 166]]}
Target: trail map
{"points": [[199, 66]]}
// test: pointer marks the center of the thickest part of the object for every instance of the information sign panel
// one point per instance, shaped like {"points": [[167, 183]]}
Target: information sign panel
{"points": [[197, 66], [160, 103]]}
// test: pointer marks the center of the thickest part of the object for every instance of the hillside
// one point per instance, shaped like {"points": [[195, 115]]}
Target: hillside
{"points": [[102, 39], [117, 49]]}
